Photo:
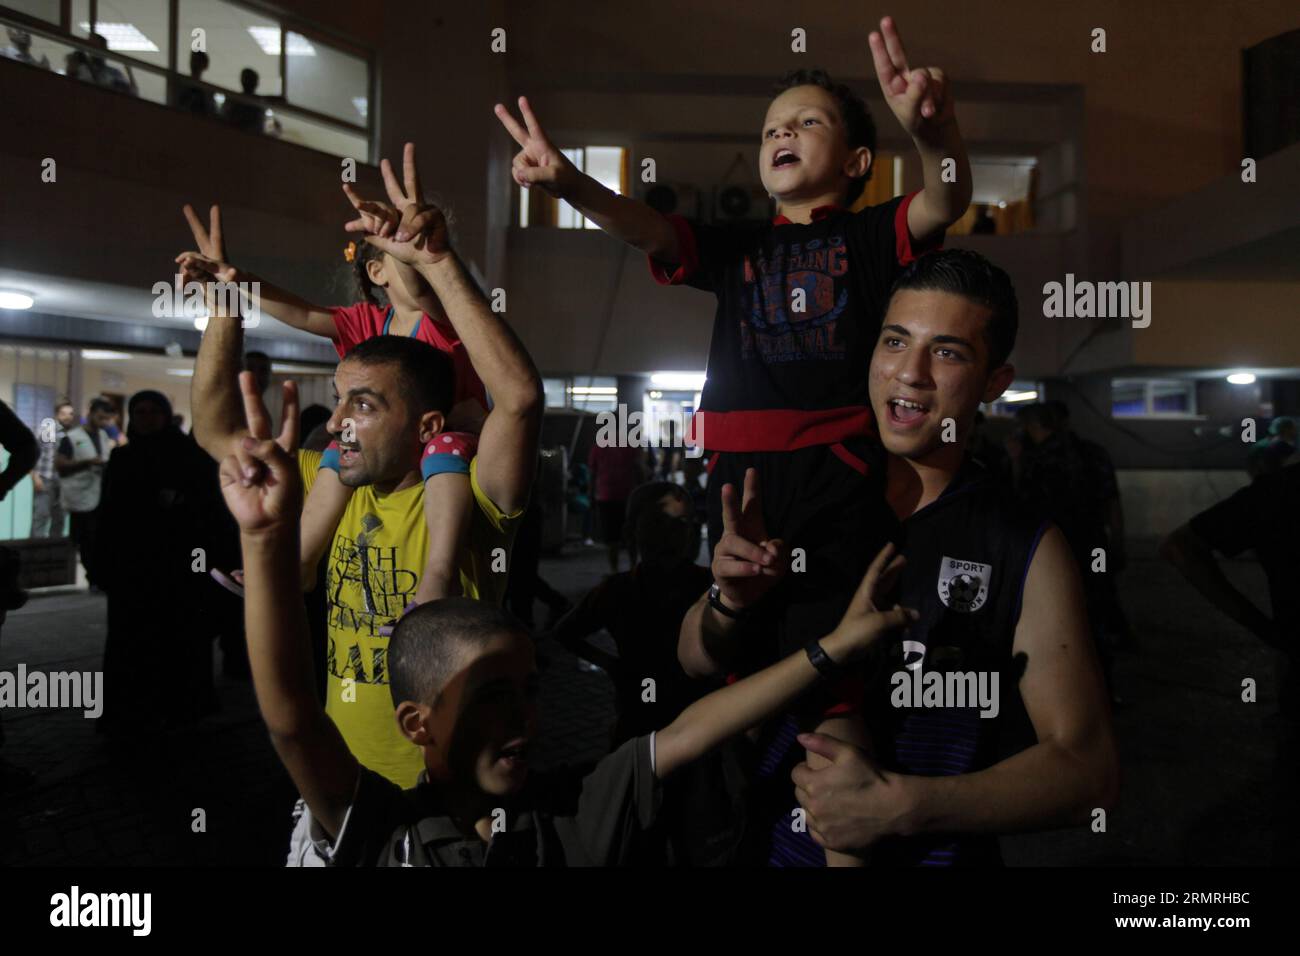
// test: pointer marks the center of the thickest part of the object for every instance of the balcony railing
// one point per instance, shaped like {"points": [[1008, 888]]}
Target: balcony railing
{"points": [[49, 47]]}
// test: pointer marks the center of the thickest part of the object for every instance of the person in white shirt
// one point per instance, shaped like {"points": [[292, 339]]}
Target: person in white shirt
{"points": [[80, 462]]}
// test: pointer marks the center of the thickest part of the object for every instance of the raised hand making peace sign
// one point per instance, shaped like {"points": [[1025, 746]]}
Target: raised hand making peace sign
{"points": [[746, 564], [538, 162], [208, 264], [919, 98], [407, 227], [261, 484]]}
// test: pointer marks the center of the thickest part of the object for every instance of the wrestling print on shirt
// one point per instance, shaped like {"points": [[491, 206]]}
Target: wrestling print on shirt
{"points": [[795, 302]]}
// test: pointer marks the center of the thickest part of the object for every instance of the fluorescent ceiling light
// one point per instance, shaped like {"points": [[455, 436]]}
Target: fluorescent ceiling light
{"points": [[13, 299], [268, 38], [282, 368], [299, 45], [678, 381], [362, 105], [1241, 378], [594, 390], [104, 354], [181, 372], [123, 37], [1029, 396]]}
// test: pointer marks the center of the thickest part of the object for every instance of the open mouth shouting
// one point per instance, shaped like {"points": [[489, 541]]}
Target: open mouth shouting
{"points": [[784, 157], [906, 412], [349, 455]]}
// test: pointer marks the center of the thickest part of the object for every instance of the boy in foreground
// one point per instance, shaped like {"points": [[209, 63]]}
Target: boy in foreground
{"points": [[463, 681]]}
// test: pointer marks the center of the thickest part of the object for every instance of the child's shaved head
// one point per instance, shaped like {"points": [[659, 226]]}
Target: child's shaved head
{"points": [[435, 641]]}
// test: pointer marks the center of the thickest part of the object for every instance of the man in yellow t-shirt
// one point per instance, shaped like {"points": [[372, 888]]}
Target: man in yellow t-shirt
{"points": [[388, 395], [372, 570]]}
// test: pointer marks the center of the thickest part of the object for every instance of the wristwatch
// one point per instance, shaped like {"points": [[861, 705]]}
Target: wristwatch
{"points": [[821, 660], [715, 602]]}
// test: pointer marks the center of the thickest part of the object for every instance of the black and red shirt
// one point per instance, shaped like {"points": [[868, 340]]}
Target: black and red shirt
{"points": [[799, 312]]}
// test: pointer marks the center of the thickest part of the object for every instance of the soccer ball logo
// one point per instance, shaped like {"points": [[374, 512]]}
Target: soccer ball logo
{"points": [[963, 589], [964, 585]]}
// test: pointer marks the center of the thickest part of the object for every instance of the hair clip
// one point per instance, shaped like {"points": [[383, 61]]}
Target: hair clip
{"points": [[350, 252]]}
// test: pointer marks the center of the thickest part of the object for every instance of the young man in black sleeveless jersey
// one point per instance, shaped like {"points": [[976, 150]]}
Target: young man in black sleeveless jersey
{"points": [[988, 716]]}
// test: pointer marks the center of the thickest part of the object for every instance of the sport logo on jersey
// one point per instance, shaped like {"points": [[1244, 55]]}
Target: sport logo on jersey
{"points": [[964, 585]]}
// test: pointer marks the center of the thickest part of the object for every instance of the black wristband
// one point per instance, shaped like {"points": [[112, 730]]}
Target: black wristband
{"points": [[715, 602], [821, 660]]}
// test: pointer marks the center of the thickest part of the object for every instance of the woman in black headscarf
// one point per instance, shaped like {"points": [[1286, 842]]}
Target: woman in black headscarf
{"points": [[156, 510]]}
